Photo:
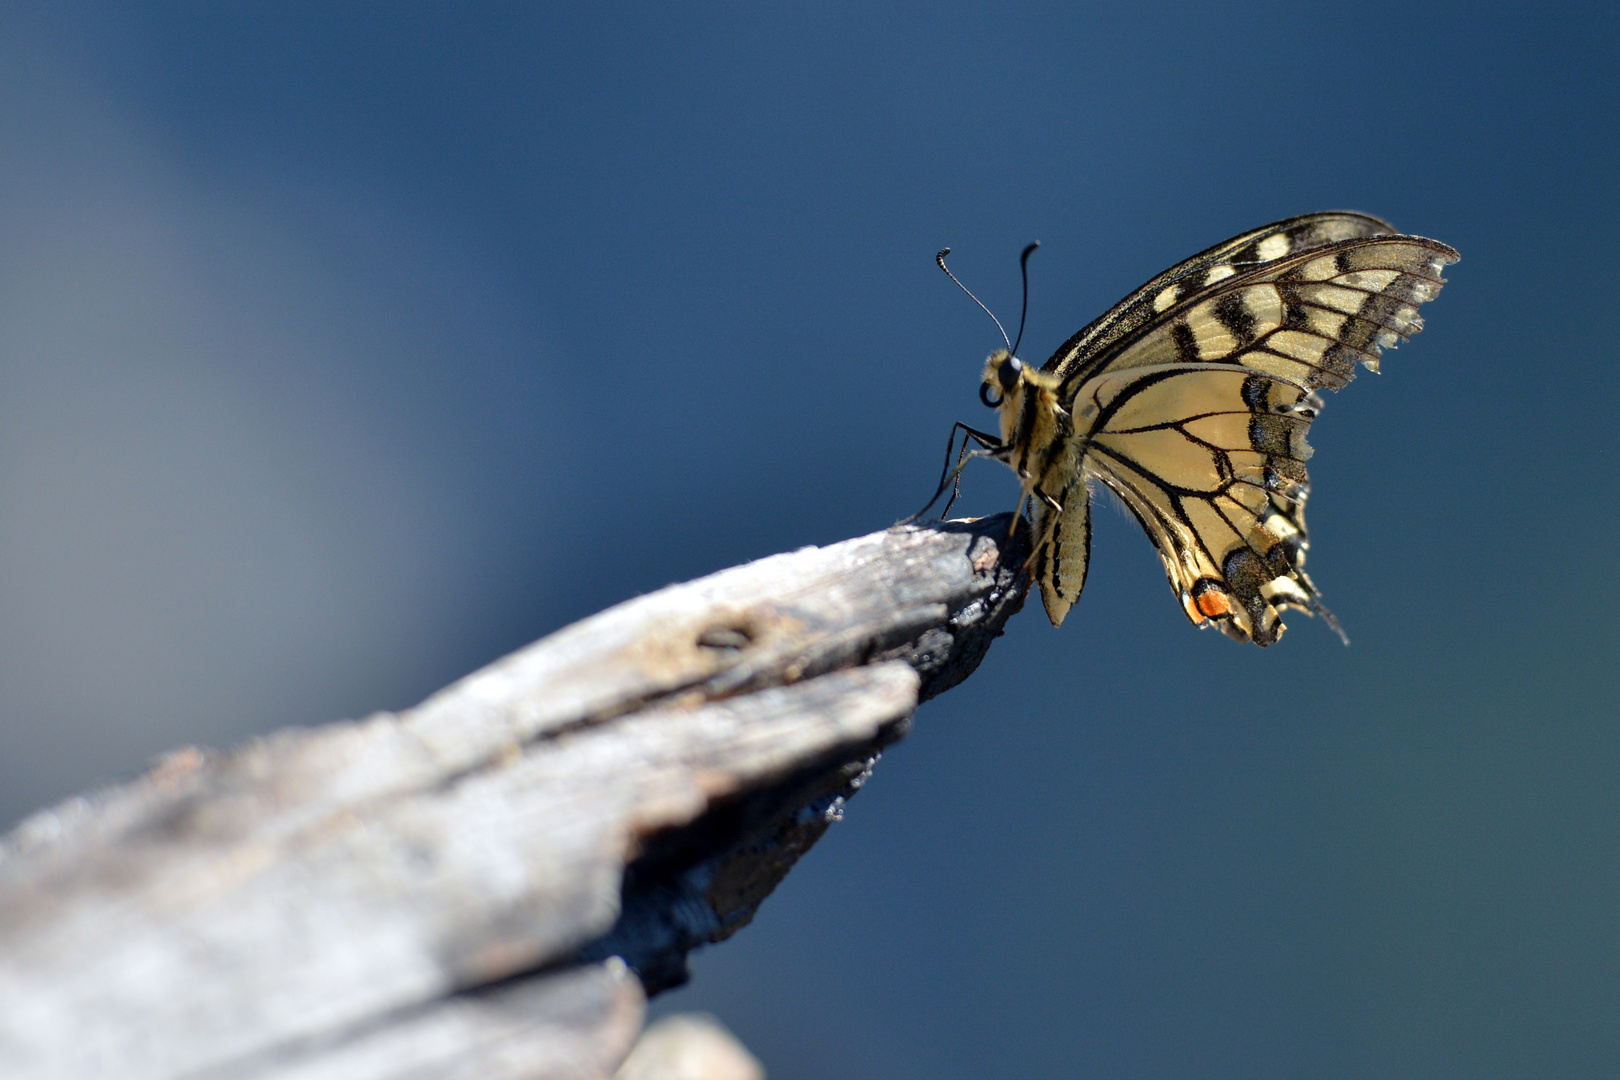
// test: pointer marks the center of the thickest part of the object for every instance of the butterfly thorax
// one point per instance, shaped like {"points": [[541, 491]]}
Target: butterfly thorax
{"points": [[1035, 428]]}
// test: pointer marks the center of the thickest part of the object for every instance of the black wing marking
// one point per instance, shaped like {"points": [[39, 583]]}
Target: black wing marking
{"points": [[1186, 279], [1310, 317], [1211, 460]]}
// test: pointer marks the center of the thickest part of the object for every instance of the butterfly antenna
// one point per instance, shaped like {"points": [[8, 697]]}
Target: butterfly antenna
{"points": [[940, 258], [1023, 268]]}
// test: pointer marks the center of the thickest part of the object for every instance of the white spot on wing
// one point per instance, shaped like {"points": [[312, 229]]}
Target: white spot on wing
{"points": [[1284, 588], [1218, 273], [1274, 247], [1165, 298]]}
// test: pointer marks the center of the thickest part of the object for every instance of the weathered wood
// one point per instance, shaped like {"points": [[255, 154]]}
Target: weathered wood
{"points": [[487, 884], [689, 1046]]}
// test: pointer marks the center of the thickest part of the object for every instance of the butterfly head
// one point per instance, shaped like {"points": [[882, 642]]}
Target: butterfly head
{"points": [[1025, 397], [1003, 377]]}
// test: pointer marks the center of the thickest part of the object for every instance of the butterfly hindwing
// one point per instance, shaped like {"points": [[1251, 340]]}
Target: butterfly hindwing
{"points": [[1192, 398], [1211, 461]]}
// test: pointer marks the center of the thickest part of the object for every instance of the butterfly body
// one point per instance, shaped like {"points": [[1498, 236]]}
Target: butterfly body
{"points": [[1191, 400], [1033, 422]]}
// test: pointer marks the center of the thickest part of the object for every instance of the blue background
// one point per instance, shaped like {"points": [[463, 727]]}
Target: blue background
{"points": [[346, 348]]}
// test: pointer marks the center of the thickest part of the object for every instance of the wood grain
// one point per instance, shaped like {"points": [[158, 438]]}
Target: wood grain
{"points": [[487, 884]]}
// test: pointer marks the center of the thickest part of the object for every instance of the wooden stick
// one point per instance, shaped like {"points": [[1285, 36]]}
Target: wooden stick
{"points": [[489, 884]]}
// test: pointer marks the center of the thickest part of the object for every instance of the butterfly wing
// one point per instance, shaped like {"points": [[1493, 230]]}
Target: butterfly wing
{"points": [[1243, 252], [1310, 317], [1211, 460], [1197, 416]]}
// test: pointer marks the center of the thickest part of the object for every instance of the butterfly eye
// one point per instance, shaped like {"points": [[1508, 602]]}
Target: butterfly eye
{"points": [[1008, 373], [985, 392]]}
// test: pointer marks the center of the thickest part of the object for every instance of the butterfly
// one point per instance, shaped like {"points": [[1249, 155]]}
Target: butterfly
{"points": [[1190, 400]]}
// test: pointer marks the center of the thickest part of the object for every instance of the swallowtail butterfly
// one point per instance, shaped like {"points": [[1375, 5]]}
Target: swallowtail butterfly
{"points": [[1190, 399]]}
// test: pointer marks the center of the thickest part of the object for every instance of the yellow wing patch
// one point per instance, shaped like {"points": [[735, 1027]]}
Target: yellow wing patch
{"points": [[1310, 318], [1083, 354], [1211, 460]]}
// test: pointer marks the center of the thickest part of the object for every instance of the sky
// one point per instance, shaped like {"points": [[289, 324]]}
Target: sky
{"points": [[344, 349]]}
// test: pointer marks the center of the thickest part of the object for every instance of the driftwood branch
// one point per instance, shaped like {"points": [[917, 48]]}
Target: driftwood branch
{"points": [[489, 884]]}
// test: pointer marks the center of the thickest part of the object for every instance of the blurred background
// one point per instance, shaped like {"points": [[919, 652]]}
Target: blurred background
{"points": [[344, 348]]}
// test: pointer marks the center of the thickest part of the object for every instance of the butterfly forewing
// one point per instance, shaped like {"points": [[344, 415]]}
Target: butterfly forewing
{"points": [[1081, 353], [1310, 318]]}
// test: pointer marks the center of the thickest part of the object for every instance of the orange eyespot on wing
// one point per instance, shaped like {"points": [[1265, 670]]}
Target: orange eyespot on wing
{"points": [[1210, 458], [1212, 604]]}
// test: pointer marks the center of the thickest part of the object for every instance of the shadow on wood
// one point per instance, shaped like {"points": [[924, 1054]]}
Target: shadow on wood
{"points": [[488, 884]]}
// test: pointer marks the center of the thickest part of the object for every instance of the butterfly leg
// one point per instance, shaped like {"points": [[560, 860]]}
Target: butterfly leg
{"points": [[1035, 550], [989, 445], [1018, 513]]}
